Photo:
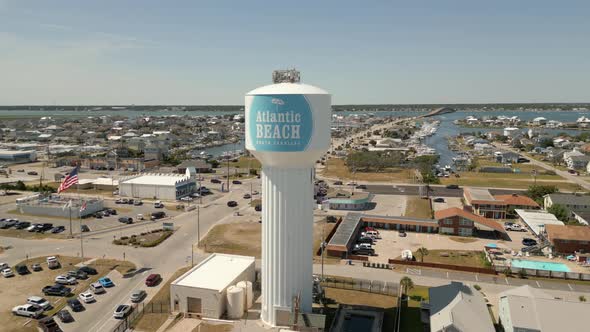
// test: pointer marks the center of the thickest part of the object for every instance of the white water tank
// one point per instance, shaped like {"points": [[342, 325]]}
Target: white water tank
{"points": [[287, 130], [248, 294], [235, 302]]}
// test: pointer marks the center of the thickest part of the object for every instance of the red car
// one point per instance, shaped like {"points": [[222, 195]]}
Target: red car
{"points": [[369, 228], [153, 280]]}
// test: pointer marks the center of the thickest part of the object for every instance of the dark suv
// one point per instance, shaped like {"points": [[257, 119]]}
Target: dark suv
{"points": [[126, 220], [57, 290]]}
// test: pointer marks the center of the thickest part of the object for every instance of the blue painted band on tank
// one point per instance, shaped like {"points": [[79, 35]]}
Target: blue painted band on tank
{"points": [[280, 123]]}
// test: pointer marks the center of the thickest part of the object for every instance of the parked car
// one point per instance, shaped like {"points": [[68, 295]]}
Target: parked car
{"points": [[31, 228], [158, 215], [88, 270], [187, 199], [508, 224], [258, 207], [98, 215], [32, 173], [363, 251], [365, 239], [87, 297], [118, 201], [131, 201], [112, 212], [44, 227], [105, 213], [215, 181], [363, 245], [232, 203], [52, 262], [236, 182], [371, 234], [106, 282], [65, 280], [158, 205], [517, 228], [21, 170], [122, 311], [137, 202], [7, 272], [4, 266], [48, 324], [247, 196], [138, 295], [22, 225], [97, 288], [78, 274], [153, 280], [529, 242], [361, 186], [452, 186], [22, 269], [58, 229], [75, 305], [337, 183], [36, 267], [126, 220], [84, 228], [402, 234], [124, 201], [65, 316], [9, 223], [27, 310], [439, 200], [39, 301], [56, 290]]}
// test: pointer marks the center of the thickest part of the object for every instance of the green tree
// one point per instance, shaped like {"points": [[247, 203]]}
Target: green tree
{"points": [[536, 192], [422, 251], [406, 284], [373, 142], [560, 212]]}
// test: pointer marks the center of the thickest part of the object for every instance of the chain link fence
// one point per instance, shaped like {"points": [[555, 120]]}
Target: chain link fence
{"points": [[138, 311], [363, 285]]}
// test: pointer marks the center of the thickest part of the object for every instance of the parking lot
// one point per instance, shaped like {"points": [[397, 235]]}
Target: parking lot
{"points": [[391, 244], [15, 290]]}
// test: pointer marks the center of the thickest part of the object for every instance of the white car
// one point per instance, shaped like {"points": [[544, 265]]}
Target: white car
{"points": [[87, 297], [97, 288], [4, 266], [27, 310], [122, 311], [7, 272], [31, 228], [65, 280], [39, 301]]}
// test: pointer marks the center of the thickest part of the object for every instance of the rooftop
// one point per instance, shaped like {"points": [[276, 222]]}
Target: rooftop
{"points": [[157, 179], [480, 195], [516, 199], [537, 220], [568, 232], [216, 272], [569, 199], [455, 211]]}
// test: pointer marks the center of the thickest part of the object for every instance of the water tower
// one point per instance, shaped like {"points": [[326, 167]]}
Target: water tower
{"points": [[287, 130]]}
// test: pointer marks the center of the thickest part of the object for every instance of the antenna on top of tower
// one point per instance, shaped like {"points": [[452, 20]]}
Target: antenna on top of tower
{"points": [[286, 76]]}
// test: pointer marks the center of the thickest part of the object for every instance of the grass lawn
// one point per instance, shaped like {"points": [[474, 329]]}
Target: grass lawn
{"points": [[147, 239], [455, 257], [255, 202], [336, 168], [410, 316], [345, 296], [31, 284], [418, 208], [235, 238], [153, 321], [244, 162], [513, 180], [24, 234]]}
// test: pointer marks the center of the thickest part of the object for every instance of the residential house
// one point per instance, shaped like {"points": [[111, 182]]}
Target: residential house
{"points": [[529, 309], [508, 157], [458, 307], [199, 165], [573, 202], [456, 221], [515, 201], [578, 162]]}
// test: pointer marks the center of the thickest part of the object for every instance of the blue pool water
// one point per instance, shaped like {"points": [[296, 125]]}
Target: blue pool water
{"points": [[522, 263]]}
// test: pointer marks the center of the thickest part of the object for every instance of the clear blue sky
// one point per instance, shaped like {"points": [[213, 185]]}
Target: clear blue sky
{"points": [[212, 52]]}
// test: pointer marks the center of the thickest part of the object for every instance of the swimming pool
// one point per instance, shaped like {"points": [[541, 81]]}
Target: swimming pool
{"points": [[548, 266]]}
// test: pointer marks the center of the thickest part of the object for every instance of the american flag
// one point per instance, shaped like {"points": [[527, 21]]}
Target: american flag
{"points": [[70, 180], [83, 207]]}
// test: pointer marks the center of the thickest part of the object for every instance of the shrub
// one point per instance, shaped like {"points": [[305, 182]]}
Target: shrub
{"points": [[477, 287], [124, 237], [522, 273], [157, 241], [117, 242], [582, 298]]}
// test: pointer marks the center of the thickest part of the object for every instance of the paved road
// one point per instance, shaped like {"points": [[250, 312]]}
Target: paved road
{"points": [[165, 259], [438, 191], [572, 178]]}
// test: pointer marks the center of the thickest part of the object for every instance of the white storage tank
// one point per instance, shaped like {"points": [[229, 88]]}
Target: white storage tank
{"points": [[287, 130], [235, 302], [248, 294]]}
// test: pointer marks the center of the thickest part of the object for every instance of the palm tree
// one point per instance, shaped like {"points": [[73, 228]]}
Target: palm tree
{"points": [[406, 283], [422, 251]]}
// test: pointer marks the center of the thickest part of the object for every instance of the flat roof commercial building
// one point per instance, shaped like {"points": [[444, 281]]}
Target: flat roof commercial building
{"points": [[18, 156], [537, 220], [342, 200], [157, 186], [529, 309], [202, 290]]}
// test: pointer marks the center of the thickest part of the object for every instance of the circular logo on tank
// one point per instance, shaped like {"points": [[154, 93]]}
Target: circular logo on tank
{"points": [[280, 123]]}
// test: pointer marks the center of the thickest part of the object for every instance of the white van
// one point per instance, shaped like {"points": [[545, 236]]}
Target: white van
{"points": [[371, 234], [52, 262]]}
